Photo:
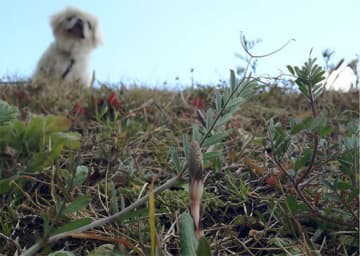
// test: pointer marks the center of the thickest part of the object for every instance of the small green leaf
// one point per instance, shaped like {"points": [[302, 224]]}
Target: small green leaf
{"points": [[303, 160], [224, 119], [345, 161], [81, 175], [218, 102], [196, 134], [352, 195], [114, 198], [175, 159], [104, 250], [41, 160], [302, 207], [326, 130], [5, 185], [188, 240], [212, 155], [7, 113], [281, 142], [186, 145], [344, 185], [232, 80], [351, 142], [34, 132], [78, 204], [353, 126], [235, 103], [302, 88], [297, 128], [291, 201], [216, 138], [61, 253], [291, 70], [73, 225], [203, 248], [103, 110], [209, 118], [70, 140], [57, 123]]}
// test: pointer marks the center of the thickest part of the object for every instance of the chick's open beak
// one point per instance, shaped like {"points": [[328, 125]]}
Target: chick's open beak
{"points": [[77, 30]]}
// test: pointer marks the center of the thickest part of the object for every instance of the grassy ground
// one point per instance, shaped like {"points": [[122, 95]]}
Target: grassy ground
{"points": [[125, 139]]}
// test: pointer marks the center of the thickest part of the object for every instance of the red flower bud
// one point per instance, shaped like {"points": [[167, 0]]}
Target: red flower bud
{"points": [[272, 181], [100, 101], [78, 110], [19, 94], [198, 102], [113, 100]]}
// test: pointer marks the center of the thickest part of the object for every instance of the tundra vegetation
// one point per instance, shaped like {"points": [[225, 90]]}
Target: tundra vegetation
{"points": [[251, 166]]}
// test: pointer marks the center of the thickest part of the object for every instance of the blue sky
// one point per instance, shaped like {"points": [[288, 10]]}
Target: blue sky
{"points": [[150, 42]]}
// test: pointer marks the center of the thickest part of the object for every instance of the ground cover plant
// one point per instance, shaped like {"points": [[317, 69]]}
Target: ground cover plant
{"points": [[238, 168]]}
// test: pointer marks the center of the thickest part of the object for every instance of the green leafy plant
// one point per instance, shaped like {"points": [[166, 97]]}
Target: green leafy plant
{"points": [[210, 134], [7, 113], [34, 144], [335, 167]]}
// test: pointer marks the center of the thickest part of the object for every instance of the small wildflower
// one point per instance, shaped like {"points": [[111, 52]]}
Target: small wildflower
{"points": [[198, 102], [78, 110], [272, 181], [113, 100]]}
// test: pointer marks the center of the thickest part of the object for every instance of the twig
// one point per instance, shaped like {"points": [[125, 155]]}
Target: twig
{"points": [[266, 54]]}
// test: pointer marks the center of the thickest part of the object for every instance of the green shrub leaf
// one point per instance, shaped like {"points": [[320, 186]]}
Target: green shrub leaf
{"points": [[203, 248], [175, 159], [81, 174], [216, 138], [7, 113], [78, 204], [188, 240], [291, 201], [73, 225]]}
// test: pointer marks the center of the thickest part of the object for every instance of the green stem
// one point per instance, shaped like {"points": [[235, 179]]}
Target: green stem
{"points": [[316, 138]]}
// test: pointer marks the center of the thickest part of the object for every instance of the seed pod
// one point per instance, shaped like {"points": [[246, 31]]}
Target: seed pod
{"points": [[196, 166], [196, 186]]}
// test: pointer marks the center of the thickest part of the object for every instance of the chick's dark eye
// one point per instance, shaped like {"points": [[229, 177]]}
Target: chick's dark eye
{"points": [[69, 18], [90, 27]]}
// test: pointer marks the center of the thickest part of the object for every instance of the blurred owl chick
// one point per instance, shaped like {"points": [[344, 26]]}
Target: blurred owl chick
{"points": [[65, 62]]}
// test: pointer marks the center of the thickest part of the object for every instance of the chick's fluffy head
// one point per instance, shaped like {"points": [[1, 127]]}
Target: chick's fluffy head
{"points": [[75, 30]]}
